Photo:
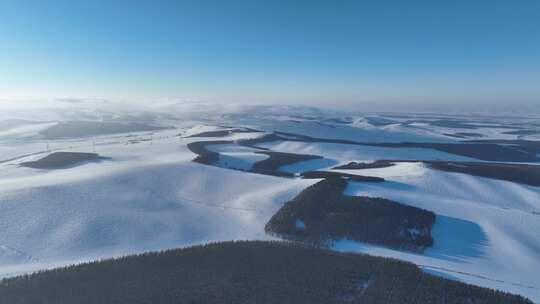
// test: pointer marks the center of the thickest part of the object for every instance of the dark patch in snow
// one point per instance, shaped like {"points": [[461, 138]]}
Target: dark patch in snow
{"points": [[329, 215], [71, 129], [371, 165], [62, 160]]}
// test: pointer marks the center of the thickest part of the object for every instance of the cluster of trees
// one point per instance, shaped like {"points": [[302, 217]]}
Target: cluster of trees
{"points": [[254, 142], [527, 146], [244, 272], [351, 177], [518, 173], [487, 150], [59, 160], [464, 134], [205, 156], [268, 166], [523, 132], [479, 150], [77, 128], [372, 165], [223, 133], [326, 215], [217, 133], [279, 159]]}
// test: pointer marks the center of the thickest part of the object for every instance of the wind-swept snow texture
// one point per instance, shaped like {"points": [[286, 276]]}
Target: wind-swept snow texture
{"points": [[486, 232], [150, 195]]}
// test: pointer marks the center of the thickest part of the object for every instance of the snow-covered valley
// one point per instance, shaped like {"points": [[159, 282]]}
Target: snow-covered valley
{"points": [[150, 195]]}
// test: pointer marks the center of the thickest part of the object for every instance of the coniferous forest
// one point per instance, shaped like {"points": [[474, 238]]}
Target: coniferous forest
{"points": [[321, 214], [245, 272]]}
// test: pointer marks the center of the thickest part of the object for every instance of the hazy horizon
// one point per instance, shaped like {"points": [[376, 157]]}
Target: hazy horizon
{"points": [[27, 109], [397, 56]]}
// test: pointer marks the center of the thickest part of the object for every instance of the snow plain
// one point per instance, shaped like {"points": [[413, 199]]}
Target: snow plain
{"points": [[151, 196]]}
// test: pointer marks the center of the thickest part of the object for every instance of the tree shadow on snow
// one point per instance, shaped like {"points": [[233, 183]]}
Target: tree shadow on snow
{"points": [[456, 239], [309, 165]]}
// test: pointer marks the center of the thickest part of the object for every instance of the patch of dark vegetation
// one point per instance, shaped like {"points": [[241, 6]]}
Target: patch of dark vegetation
{"points": [[464, 134], [522, 132], [253, 142], [70, 129], [340, 121], [205, 156], [497, 150], [272, 172], [305, 117], [524, 151], [269, 166], [351, 177], [481, 151], [223, 133], [380, 121], [245, 272], [371, 165], [279, 159], [326, 215], [526, 146], [275, 160], [453, 124], [324, 124], [62, 160], [218, 133], [518, 173]]}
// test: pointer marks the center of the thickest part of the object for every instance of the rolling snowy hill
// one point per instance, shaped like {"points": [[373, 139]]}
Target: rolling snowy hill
{"points": [[149, 195]]}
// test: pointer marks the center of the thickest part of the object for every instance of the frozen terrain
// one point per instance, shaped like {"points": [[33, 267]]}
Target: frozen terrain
{"points": [[149, 195], [485, 231]]}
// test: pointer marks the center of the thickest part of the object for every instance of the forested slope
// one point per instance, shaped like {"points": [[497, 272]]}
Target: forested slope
{"points": [[321, 214], [245, 272]]}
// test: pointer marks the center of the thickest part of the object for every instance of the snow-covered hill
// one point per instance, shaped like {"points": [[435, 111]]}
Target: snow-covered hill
{"points": [[150, 195]]}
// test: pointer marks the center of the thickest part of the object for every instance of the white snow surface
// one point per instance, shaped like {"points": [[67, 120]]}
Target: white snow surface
{"points": [[150, 196]]}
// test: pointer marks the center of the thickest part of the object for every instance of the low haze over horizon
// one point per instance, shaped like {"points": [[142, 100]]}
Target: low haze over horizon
{"points": [[410, 54], [269, 151]]}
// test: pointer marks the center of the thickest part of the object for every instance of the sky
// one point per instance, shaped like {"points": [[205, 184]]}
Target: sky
{"points": [[352, 53]]}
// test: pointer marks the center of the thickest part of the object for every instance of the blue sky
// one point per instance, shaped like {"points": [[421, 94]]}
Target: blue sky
{"points": [[313, 52]]}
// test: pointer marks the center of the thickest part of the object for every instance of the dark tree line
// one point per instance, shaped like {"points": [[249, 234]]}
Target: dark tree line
{"points": [[223, 133], [245, 272], [79, 128], [326, 215], [205, 156], [268, 166], [487, 150], [518, 173], [332, 174], [371, 165], [59, 160], [463, 134], [279, 159]]}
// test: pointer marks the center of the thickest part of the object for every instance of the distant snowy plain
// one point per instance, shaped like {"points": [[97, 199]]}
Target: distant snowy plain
{"points": [[151, 196]]}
